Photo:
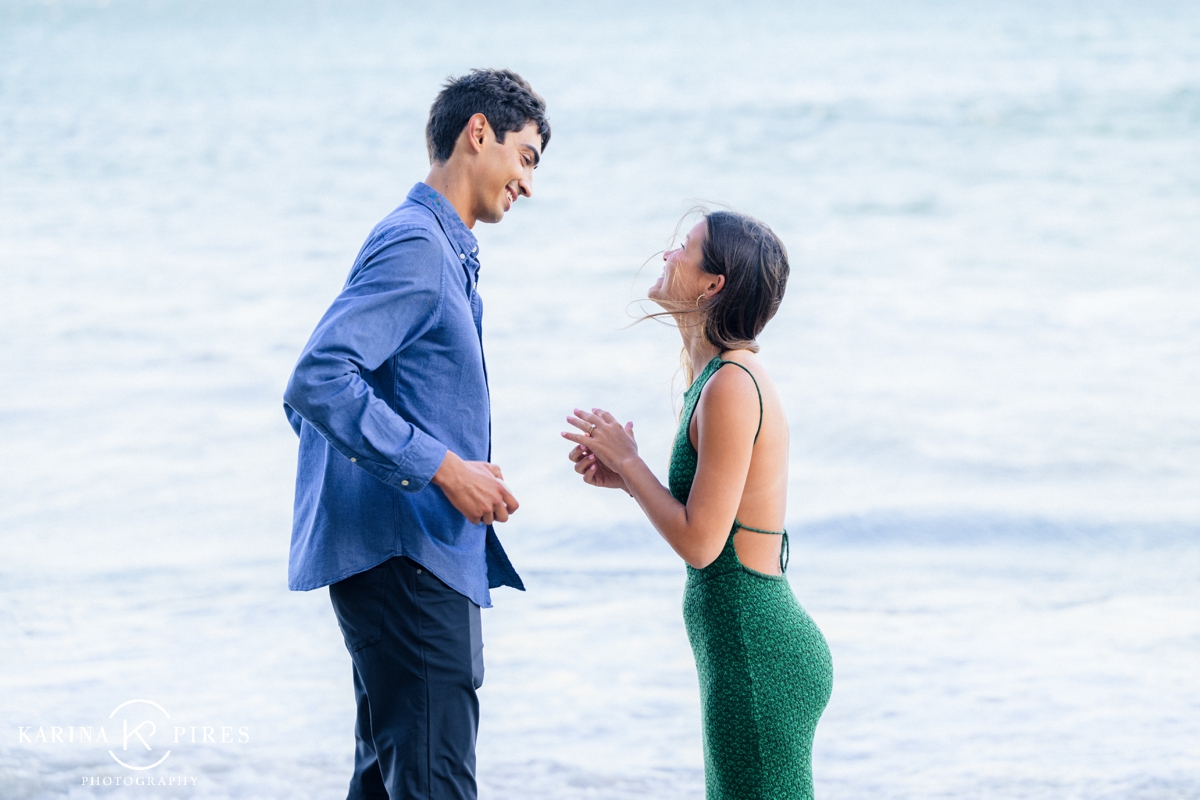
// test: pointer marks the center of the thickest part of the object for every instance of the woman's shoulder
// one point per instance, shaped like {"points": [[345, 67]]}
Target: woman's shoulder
{"points": [[734, 388], [749, 363]]}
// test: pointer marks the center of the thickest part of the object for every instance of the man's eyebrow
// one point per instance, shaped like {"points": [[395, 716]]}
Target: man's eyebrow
{"points": [[537, 157]]}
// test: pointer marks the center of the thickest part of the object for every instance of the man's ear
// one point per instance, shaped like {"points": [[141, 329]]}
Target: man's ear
{"points": [[477, 130]]}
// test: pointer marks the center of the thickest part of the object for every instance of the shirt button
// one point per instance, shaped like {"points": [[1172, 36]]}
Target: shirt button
{"points": [[463, 256], [404, 483], [418, 572], [353, 459]]}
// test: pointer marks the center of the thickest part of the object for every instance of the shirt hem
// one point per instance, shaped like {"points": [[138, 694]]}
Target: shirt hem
{"points": [[308, 587]]}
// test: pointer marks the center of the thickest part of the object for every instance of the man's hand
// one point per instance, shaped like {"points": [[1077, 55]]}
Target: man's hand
{"points": [[476, 488]]}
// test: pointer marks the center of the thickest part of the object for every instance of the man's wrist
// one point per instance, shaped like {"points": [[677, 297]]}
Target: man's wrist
{"points": [[447, 470]]}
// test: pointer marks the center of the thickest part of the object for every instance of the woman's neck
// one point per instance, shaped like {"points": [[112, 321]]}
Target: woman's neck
{"points": [[699, 349]]}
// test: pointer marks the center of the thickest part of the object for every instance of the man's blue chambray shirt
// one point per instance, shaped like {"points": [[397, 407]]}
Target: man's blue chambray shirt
{"points": [[393, 376]]}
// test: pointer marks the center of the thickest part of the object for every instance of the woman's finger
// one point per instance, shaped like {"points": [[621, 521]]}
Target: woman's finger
{"points": [[604, 415], [583, 425], [588, 417]]}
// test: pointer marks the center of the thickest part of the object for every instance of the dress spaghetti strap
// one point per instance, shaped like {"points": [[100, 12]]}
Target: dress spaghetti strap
{"points": [[784, 549], [722, 362]]}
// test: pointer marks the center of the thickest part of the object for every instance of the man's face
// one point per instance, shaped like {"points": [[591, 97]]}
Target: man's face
{"points": [[504, 172]]}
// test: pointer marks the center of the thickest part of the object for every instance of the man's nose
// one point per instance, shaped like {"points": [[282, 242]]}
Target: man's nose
{"points": [[525, 187]]}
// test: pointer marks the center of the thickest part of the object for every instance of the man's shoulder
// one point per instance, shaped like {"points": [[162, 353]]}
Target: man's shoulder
{"points": [[409, 241], [411, 228], [409, 220]]}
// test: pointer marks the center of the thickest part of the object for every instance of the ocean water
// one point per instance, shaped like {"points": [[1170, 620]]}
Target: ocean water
{"points": [[990, 353]]}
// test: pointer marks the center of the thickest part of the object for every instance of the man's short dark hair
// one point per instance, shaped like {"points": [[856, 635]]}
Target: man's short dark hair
{"points": [[501, 95]]}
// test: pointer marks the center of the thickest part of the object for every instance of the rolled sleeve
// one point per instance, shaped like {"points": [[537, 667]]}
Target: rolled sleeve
{"points": [[421, 460], [388, 303]]}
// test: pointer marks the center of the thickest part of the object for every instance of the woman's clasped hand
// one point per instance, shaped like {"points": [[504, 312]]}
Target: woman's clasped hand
{"points": [[601, 448]]}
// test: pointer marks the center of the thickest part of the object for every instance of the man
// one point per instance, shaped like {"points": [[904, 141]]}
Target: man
{"points": [[395, 492]]}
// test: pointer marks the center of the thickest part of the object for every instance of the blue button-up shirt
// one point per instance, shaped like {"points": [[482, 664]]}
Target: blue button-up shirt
{"points": [[392, 377]]}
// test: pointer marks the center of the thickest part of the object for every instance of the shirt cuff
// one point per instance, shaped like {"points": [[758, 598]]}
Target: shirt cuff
{"points": [[422, 458]]}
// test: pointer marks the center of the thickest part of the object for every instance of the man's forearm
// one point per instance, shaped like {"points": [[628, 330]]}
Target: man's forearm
{"points": [[362, 427]]}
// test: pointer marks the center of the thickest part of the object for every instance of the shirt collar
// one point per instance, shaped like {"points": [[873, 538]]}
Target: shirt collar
{"points": [[460, 236]]}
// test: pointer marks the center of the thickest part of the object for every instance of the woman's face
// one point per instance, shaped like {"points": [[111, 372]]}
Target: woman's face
{"points": [[683, 280]]}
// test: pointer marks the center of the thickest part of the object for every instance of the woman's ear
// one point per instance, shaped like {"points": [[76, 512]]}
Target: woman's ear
{"points": [[715, 284]]}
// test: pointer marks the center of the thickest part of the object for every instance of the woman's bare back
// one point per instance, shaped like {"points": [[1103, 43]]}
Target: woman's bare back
{"points": [[764, 497]]}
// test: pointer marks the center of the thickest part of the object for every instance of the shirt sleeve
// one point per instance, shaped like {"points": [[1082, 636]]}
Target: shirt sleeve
{"points": [[391, 300]]}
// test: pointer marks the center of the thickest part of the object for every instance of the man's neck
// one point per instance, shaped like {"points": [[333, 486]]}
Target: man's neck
{"points": [[455, 186]]}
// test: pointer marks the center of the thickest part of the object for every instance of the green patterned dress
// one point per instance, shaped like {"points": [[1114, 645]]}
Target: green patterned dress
{"points": [[764, 667]]}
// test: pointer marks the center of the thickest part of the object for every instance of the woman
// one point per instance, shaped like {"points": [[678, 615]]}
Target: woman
{"points": [[764, 667]]}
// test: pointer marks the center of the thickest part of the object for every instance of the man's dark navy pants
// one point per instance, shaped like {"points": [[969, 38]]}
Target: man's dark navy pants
{"points": [[417, 650]]}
